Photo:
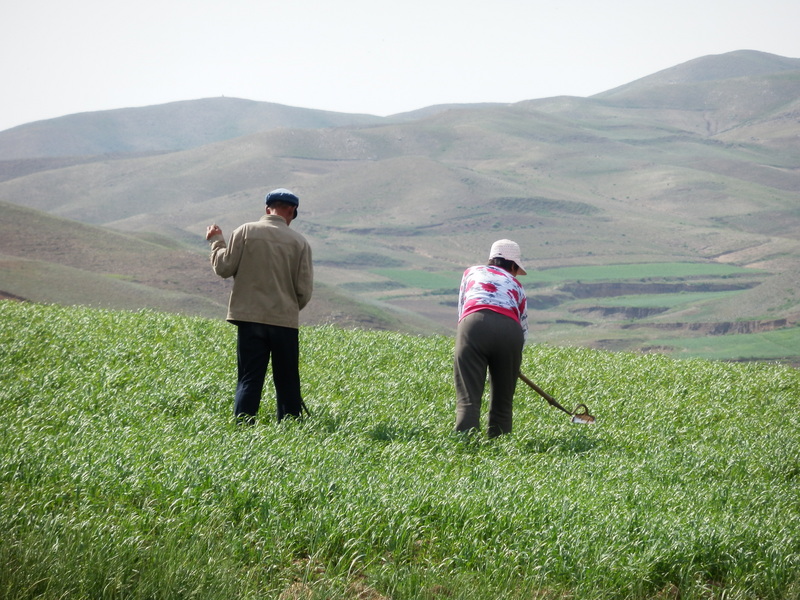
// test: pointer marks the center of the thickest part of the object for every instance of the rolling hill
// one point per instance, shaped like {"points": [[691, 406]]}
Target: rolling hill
{"points": [[163, 128], [615, 199]]}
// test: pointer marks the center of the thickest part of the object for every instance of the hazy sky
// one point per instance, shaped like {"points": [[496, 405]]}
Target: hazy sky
{"points": [[61, 57]]}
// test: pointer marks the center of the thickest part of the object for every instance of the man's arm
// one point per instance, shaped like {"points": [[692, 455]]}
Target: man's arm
{"points": [[224, 260]]}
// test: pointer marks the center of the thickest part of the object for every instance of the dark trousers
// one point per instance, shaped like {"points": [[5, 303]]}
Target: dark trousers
{"points": [[486, 339], [255, 344]]}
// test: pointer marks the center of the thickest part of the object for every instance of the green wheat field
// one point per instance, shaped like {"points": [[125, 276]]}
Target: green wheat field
{"points": [[123, 475]]}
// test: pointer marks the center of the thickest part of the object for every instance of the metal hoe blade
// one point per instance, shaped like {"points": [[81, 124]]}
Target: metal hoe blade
{"points": [[579, 415]]}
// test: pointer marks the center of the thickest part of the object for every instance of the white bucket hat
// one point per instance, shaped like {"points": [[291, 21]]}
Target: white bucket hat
{"points": [[508, 250]]}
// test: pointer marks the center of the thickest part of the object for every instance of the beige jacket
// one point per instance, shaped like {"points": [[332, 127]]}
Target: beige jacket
{"points": [[273, 276]]}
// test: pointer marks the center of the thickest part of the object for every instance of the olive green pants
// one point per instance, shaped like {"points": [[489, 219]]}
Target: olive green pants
{"points": [[486, 340]]}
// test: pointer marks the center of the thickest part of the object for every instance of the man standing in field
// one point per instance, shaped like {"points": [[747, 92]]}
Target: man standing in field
{"points": [[272, 282], [492, 329]]}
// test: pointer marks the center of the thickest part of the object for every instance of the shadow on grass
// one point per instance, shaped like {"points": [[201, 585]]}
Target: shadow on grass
{"points": [[392, 432], [568, 444]]}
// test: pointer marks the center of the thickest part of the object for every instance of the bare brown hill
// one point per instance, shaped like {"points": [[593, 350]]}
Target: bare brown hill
{"points": [[696, 164], [162, 128], [731, 65]]}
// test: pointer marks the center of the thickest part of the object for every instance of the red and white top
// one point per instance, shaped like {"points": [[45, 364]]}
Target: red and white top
{"points": [[492, 288]]}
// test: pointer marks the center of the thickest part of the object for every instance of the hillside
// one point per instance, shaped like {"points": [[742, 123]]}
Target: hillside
{"points": [[54, 260], [695, 165]]}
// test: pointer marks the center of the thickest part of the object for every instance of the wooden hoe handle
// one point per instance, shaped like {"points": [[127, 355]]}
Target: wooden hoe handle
{"points": [[543, 394]]}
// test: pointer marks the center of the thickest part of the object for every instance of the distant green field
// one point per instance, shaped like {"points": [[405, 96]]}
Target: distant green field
{"points": [[635, 271], [451, 279], [778, 344], [664, 300]]}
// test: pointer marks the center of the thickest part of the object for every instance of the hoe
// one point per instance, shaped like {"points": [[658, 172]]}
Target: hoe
{"points": [[579, 415]]}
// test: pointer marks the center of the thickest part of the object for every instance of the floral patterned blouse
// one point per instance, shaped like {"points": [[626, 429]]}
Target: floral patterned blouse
{"points": [[492, 288]]}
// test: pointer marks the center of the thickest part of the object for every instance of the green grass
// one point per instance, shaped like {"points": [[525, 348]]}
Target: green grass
{"points": [[123, 476]]}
